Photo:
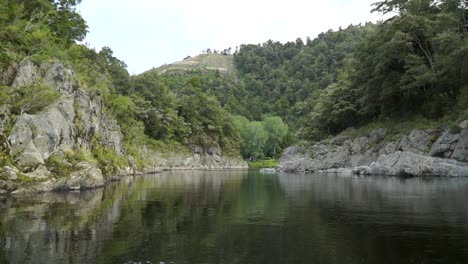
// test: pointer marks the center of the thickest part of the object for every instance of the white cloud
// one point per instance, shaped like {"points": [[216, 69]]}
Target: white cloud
{"points": [[147, 33]]}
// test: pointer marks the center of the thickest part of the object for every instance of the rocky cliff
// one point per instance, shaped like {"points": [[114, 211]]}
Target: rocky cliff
{"points": [[431, 152], [38, 145]]}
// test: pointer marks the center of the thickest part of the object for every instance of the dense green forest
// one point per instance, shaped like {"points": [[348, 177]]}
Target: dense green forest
{"points": [[412, 65]]}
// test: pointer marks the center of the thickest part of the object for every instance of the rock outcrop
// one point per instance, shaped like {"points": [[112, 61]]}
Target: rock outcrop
{"points": [[200, 159], [432, 152], [70, 122], [76, 120]]}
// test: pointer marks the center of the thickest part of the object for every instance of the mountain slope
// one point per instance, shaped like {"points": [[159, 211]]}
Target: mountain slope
{"points": [[212, 61]]}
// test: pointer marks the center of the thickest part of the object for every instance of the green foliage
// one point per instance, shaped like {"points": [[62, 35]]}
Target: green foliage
{"points": [[108, 161], [396, 126], [186, 115], [25, 181], [37, 29], [275, 78], [270, 163], [63, 164], [277, 131], [413, 66], [28, 99], [261, 139], [254, 139]]}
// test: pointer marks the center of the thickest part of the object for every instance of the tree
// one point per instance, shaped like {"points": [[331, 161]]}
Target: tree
{"points": [[277, 131], [254, 138]]}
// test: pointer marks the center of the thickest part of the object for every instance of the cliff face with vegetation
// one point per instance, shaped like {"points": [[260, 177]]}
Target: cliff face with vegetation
{"points": [[73, 118], [71, 142]]}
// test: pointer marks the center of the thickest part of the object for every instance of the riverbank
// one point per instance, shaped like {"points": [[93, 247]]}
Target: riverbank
{"points": [[73, 142], [428, 152], [88, 176]]}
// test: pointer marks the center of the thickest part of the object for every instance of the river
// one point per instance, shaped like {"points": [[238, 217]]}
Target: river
{"points": [[242, 217]]}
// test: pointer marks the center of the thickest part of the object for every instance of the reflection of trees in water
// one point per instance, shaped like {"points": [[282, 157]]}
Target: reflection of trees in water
{"points": [[58, 227], [194, 216], [374, 194], [236, 217], [383, 219], [179, 214]]}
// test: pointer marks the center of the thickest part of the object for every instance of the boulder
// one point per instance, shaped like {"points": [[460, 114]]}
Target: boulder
{"points": [[412, 154], [87, 177], [26, 74], [361, 170], [344, 171], [410, 164], [377, 135], [29, 157], [10, 173], [36, 137], [464, 124], [4, 117], [417, 141], [460, 152], [444, 146], [59, 77], [40, 173], [339, 140], [388, 148]]}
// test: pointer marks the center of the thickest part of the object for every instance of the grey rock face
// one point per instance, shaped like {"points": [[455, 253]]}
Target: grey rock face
{"points": [[407, 163], [35, 137], [10, 173], [325, 155], [4, 117], [444, 146], [71, 121], [429, 152], [26, 74], [377, 135], [93, 121], [417, 141], [59, 77], [211, 159], [88, 177], [40, 173], [461, 150]]}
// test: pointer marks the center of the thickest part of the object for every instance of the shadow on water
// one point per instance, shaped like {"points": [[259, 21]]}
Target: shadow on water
{"points": [[242, 217]]}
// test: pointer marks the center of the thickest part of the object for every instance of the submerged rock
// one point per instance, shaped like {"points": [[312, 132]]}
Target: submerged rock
{"points": [[267, 170]]}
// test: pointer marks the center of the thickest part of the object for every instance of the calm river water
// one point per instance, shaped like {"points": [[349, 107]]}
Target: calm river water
{"points": [[242, 217]]}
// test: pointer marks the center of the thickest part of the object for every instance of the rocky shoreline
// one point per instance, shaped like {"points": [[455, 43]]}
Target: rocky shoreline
{"points": [[88, 176], [73, 125], [431, 152]]}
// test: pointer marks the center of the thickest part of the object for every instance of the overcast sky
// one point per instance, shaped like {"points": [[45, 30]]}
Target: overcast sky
{"points": [[149, 33]]}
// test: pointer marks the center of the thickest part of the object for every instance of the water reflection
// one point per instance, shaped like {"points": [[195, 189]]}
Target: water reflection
{"points": [[242, 217]]}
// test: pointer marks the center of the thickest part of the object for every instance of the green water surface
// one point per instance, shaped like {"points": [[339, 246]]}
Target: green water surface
{"points": [[242, 217]]}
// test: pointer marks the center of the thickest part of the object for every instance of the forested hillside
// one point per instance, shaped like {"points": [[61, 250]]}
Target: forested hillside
{"points": [[413, 67], [152, 119], [410, 66]]}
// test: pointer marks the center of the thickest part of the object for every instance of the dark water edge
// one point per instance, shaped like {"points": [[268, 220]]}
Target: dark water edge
{"points": [[242, 217]]}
